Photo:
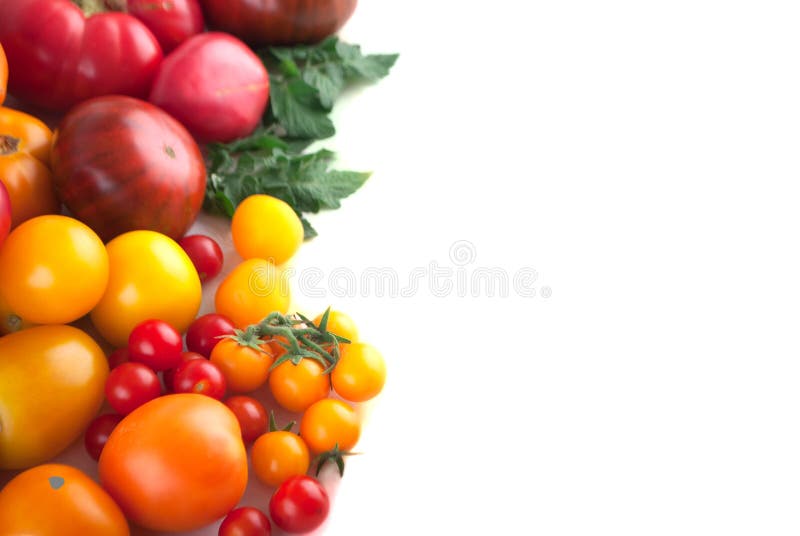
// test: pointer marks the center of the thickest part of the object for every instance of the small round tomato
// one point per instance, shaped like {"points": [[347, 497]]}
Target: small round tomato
{"points": [[118, 357], [169, 375], [245, 368], [251, 415], [329, 423], [199, 376], [299, 505], [360, 373], [265, 227], [245, 521], [53, 270], [205, 332], [58, 499], [253, 290], [5, 213], [130, 385], [156, 344], [205, 253], [279, 455], [175, 464], [96, 435], [296, 387], [340, 324]]}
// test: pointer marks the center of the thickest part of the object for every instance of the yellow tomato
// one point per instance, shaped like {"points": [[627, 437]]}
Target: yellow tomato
{"points": [[341, 324], [265, 227], [151, 277], [58, 499], [360, 373], [53, 270], [251, 291], [51, 387], [10, 321], [296, 387]]}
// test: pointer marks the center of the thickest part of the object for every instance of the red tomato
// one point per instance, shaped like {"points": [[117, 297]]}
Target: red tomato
{"points": [[199, 376], [5, 212], [245, 521], [215, 85], [118, 357], [155, 344], [299, 505], [205, 332], [97, 433], [205, 253], [130, 385], [251, 415], [169, 375], [171, 22]]}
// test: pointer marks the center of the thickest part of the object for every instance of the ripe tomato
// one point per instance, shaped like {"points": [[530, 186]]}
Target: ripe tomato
{"points": [[5, 213], [53, 270], [155, 344], [254, 289], [245, 368], [245, 521], [265, 227], [3, 75], [58, 499], [96, 435], [150, 276], [328, 423], [118, 357], [299, 505], [251, 415], [51, 387], [199, 376], [169, 375], [205, 332], [279, 455], [205, 253], [170, 22], [11, 322], [341, 324], [130, 385], [360, 373], [296, 387]]}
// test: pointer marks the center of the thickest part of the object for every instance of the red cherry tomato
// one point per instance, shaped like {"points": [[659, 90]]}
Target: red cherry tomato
{"points": [[155, 344], [205, 253], [202, 335], [199, 376], [130, 385], [251, 415], [118, 357], [299, 505], [98, 431], [245, 521], [169, 375], [5, 211]]}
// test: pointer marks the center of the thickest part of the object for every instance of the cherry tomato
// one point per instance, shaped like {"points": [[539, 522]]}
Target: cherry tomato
{"points": [[169, 375], [203, 334], [118, 357], [246, 521], [205, 253], [299, 505], [254, 289], [199, 376], [130, 385], [296, 387], [341, 324], [245, 368], [360, 373], [251, 415], [329, 423], [5, 213], [279, 455], [155, 344], [265, 227], [96, 435]]}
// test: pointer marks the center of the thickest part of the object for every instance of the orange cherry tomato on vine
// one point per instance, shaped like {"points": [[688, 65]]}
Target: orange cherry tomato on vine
{"points": [[340, 324], [360, 373], [245, 368], [278, 456], [296, 387], [253, 290], [329, 423]]}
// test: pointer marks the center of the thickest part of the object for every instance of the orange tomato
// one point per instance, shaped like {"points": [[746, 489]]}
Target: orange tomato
{"points": [[360, 373], [279, 455], [296, 387], [176, 463], [245, 368], [3, 75], [11, 322], [58, 499], [254, 289], [24, 159], [340, 324], [329, 423]]}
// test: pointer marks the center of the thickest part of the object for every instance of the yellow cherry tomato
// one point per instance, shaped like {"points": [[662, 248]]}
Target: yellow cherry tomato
{"points": [[265, 227], [53, 270], [329, 423], [245, 368], [58, 499], [253, 290], [279, 455], [341, 324], [151, 277], [51, 387], [360, 373], [296, 387]]}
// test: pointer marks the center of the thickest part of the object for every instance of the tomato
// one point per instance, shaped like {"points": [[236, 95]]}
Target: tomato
{"points": [[245, 521], [279, 22], [121, 164], [96, 435], [251, 415], [199, 376], [176, 463], [296, 387], [150, 276], [279, 455], [51, 387], [118, 357], [5, 213], [156, 344], [205, 253], [171, 22], [329, 423], [59, 57], [10, 322], [266, 227], [245, 368], [360, 373], [58, 499], [215, 85], [169, 375], [299, 505], [205, 332], [130, 385], [341, 324], [24, 160], [253, 290], [3, 75]]}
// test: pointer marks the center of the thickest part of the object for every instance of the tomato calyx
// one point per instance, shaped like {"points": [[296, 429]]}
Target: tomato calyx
{"points": [[93, 7], [335, 455], [273, 425], [8, 144], [249, 337]]}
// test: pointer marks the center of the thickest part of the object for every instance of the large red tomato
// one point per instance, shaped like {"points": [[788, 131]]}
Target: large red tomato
{"points": [[121, 164]]}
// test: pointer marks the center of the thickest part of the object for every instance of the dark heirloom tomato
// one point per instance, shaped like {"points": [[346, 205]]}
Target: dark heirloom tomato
{"points": [[121, 164], [279, 22]]}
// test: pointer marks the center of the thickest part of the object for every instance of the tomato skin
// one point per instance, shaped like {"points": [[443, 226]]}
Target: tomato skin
{"points": [[67, 370], [169, 375], [118, 357], [266, 227], [251, 415], [11, 322], [299, 505], [171, 23], [5, 213], [130, 385], [251, 291], [205, 253], [245, 521], [360, 373], [96, 435], [199, 376], [329, 423], [201, 463], [296, 387], [203, 334], [245, 369], [58, 499], [278, 456], [3, 75], [155, 344]]}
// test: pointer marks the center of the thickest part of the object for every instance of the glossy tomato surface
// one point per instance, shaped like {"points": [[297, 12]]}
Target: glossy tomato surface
{"points": [[171, 22], [299, 505], [5, 213]]}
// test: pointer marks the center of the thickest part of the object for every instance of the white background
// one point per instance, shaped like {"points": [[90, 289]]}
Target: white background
{"points": [[643, 157]]}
